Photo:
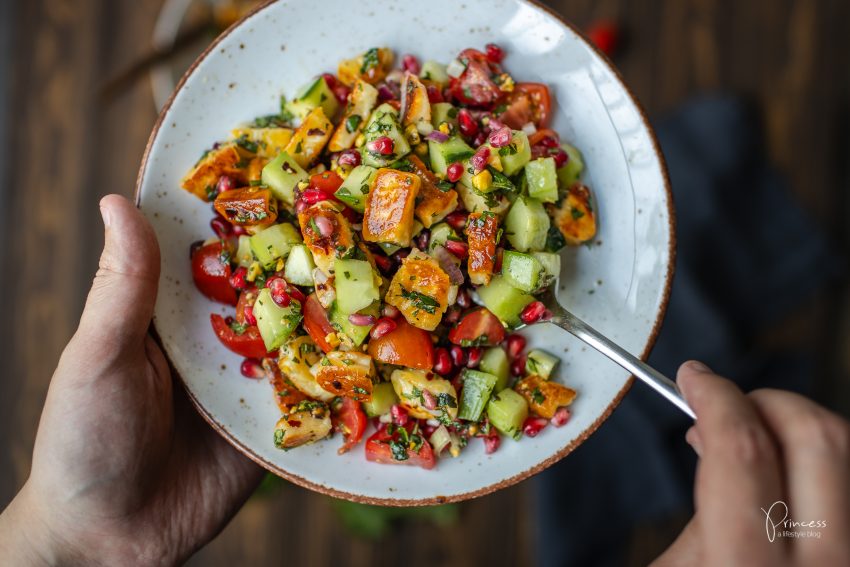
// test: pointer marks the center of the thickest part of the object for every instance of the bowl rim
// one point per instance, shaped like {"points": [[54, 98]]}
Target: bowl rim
{"points": [[537, 467]]}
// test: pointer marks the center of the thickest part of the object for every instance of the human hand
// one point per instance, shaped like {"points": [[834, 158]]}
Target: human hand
{"points": [[756, 450], [124, 470]]}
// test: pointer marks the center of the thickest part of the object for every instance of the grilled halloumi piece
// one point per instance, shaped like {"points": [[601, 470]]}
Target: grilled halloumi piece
{"points": [[482, 230], [296, 358], [203, 178], [475, 202], [306, 422], [390, 204], [264, 142], [433, 204], [544, 397], [371, 66], [347, 374], [361, 102], [326, 249], [575, 217], [420, 290], [415, 106], [410, 387], [309, 140], [286, 394]]}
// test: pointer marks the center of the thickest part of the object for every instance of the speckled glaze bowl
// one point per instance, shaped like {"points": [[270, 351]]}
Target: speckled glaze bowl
{"points": [[619, 283]]}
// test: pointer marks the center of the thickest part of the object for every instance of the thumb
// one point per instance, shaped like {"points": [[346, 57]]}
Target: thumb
{"points": [[120, 303]]}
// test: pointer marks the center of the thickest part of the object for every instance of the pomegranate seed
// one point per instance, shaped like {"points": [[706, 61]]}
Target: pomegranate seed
{"points": [[384, 264], [458, 356], [518, 366], [467, 124], [494, 53], [391, 311], [296, 293], [427, 430], [330, 79], [534, 425], [515, 345], [479, 139], [497, 265], [399, 415], [248, 313], [341, 92], [221, 228], [500, 138], [325, 226], [225, 183], [428, 400], [457, 219], [442, 361], [410, 64], [561, 158], [361, 320], [237, 280], [382, 327], [480, 159], [228, 320], [251, 368], [401, 255], [532, 312], [459, 249], [561, 417], [385, 93], [464, 301], [239, 230], [383, 145], [491, 443], [605, 35], [452, 316], [349, 157], [473, 357], [312, 195], [434, 94], [423, 239], [548, 142], [454, 172], [194, 247], [277, 287]]}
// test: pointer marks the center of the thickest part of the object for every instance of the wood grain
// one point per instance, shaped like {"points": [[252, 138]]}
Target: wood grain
{"points": [[63, 151]]}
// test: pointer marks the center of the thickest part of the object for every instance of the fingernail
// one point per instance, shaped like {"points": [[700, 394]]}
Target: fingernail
{"points": [[697, 366], [105, 215], [693, 439]]}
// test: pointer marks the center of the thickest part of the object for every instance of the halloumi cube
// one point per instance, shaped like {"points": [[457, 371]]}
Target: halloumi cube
{"points": [[326, 249], [420, 290], [203, 178], [390, 204]]}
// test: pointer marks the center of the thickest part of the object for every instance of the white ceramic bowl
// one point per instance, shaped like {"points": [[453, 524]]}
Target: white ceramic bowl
{"points": [[619, 283]]}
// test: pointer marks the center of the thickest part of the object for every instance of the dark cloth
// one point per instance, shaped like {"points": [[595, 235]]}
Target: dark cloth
{"points": [[747, 254]]}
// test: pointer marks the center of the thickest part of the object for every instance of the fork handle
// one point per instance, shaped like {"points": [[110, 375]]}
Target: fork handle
{"points": [[621, 356]]}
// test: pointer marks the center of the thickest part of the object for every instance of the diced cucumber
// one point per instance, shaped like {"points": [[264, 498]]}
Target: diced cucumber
{"points": [[521, 270], [526, 224], [476, 202], [384, 122], [542, 179], [477, 387], [444, 112], [383, 398], [357, 333], [244, 256], [274, 242], [281, 175], [440, 232], [515, 155], [495, 361], [541, 363], [443, 155], [356, 285], [551, 263], [434, 71], [299, 266], [571, 172], [274, 322], [311, 95], [388, 248], [356, 186], [507, 411], [504, 300]]}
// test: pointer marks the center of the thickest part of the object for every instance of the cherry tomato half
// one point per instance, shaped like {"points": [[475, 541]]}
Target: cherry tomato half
{"points": [[327, 182], [316, 322], [406, 346], [349, 419], [475, 87], [248, 344], [212, 275], [478, 328], [529, 102], [386, 448]]}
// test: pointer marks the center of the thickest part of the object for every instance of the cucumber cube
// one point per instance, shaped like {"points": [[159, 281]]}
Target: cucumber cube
{"points": [[274, 242], [477, 387], [281, 175], [571, 172], [504, 300], [384, 122], [311, 95], [526, 224], [244, 256], [356, 285], [521, 270], [299, 266], [440, 232], [443, 155], [542, 179], [444, 112], [495, 361], [541, 363], [388, 248], [434, 71], [383, 398], [274, 322], [357, 333], [356, 186], [507, 411], [551, 263], [515, 155]]}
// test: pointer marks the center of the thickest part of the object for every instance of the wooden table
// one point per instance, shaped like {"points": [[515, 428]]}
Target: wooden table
{"points": [[63, 150]]}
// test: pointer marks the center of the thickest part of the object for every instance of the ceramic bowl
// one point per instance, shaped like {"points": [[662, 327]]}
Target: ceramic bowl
{"points": [[619, 282]]}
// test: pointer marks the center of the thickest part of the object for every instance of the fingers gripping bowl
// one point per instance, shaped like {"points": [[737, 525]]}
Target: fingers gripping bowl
{"points": [[618, 280]]}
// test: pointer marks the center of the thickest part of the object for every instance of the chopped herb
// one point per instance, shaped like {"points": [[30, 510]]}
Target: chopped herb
{"points": [[537, 396], [278, 437], [501, 181], [359, 390], [314, 227], [500, 109], [459, 156], [576, 213], [445, 186], [445, 400], [255, 182], [299, 147], [508, 150], [352, 122], [554, 240], [239, 328], [246, 144], [370, 61], [452, 112], [421, 301], [399, 450]]}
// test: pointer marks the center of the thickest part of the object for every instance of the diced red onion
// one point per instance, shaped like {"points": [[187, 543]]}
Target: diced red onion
{"points": [[361, 320], [447, 262], [438, 137], [428, 400]]}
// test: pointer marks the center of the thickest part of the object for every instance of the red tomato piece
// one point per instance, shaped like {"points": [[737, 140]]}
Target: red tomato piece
{"points": [[406, 345], [349, 419], [248, 344], [316, 322], [327, 182], [212, 275], [478, 328], [385, 446], [475, 87], [529, 102]]}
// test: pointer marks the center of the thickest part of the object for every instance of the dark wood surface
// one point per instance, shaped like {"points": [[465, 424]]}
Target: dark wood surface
{"points": [[63, 149]]}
